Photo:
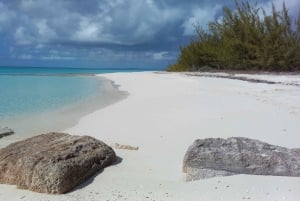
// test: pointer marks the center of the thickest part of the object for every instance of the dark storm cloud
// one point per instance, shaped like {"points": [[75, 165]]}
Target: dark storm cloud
{"points": [[152, 29]]}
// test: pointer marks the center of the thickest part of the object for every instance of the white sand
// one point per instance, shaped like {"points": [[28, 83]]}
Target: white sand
{"points": [[163, 115]]}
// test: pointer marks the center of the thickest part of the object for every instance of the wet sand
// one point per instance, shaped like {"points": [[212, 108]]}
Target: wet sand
{"points": [[57, 120]]}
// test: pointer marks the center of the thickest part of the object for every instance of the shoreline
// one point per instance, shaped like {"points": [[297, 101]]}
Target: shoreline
{"points": [[64, 117], [163, 115]]}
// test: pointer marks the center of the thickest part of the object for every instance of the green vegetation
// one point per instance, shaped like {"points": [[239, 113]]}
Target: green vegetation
{"points": [[244, 39]]}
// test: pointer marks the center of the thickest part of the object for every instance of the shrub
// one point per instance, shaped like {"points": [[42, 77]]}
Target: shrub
{"points": [[246, 38]]}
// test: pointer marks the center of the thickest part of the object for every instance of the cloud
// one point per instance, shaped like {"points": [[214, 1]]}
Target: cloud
{"points": [[120, 22], [124, 22], [44, 30], [100, 30], [52, 57], [159, 55], [25, 56], [108, 21], [22, 38], [6, 16], [293, 6], [200, 16]]}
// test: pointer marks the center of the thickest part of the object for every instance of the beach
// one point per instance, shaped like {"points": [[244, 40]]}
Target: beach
{"points": [[162, 115], [30, 112]]}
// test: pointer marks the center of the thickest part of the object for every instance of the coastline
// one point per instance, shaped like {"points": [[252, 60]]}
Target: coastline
{"points": [[163, 114], [65, 117]]}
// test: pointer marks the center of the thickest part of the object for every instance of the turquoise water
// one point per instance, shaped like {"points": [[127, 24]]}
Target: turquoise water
{"points": [[40, 100], [32, 90], [22, 95], [51, 71]]}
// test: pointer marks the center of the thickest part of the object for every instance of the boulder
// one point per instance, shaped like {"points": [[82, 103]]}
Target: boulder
{"points": [[5, 131], [213, 157], [53, 163]]}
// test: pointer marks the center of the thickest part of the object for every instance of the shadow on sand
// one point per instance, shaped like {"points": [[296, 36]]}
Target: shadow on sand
{"points": [[91, 179]]}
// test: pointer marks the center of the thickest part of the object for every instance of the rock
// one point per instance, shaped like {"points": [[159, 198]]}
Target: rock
{"points": [[127, 147], [53, 163], [213, 157], [5, 132]]}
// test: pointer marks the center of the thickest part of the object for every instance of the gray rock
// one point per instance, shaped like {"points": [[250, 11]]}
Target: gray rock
{"points": [[5, 132], [213, 157], [53, 163]]}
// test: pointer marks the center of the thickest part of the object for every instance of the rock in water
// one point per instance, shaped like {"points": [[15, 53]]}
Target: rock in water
{"points": [[53, 163], [5, 132], [212, 157]]}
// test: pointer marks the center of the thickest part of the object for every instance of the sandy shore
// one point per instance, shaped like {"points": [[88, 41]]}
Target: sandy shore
{"points": [[163, 114], [26, 126]]}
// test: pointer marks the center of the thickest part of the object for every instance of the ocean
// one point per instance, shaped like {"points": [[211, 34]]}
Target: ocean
{"points": [[44, 97], [21, 95], [63, 71]]}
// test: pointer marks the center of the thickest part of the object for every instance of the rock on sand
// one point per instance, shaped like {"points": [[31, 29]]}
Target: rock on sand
{"points": [[212, 157], [53, 163]]}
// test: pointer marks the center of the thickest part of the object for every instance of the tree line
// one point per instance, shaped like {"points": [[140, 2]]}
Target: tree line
{"points": [[245, 38]]}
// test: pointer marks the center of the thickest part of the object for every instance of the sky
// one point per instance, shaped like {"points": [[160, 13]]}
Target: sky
{"points": [[105, 33]]}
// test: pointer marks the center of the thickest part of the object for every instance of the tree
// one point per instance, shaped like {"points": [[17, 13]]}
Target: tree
{"points": [[246, 38]]}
